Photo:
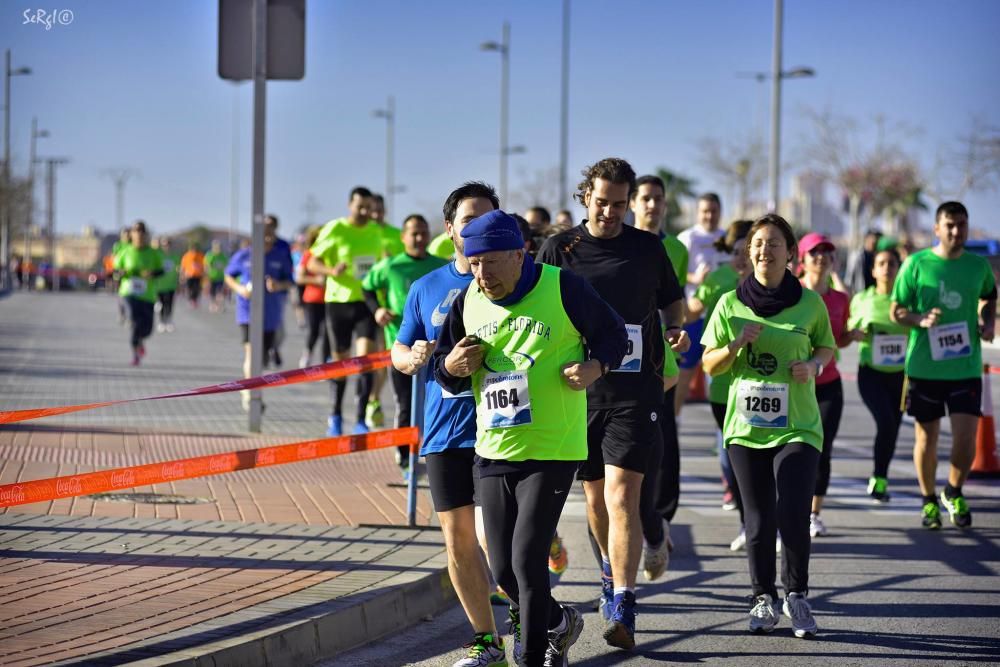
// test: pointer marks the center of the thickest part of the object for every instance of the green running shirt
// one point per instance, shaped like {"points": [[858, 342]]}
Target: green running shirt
{"points": [[357, 246], [394, 275], [766, 408], [132, 262], [870, 312], [718, 282]]}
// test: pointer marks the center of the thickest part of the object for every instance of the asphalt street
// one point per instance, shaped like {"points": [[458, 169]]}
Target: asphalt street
{"points": [[884, 590]]}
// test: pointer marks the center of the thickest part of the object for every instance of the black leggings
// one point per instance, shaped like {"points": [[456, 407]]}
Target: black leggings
{"points": [[830, 397], [316, 314], [402, 389], [881, 393], [520, 514], [777, 485], [669, 484], [141, 314], [166, 306]]}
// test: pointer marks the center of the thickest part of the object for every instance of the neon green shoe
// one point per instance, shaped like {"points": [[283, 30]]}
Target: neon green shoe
{"points": [[878, 489], [958, 510], [373, 415], [932, 516], [484, 651]]}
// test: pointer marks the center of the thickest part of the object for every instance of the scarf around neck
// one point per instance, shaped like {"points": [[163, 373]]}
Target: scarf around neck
{"points": [[767, 302]]}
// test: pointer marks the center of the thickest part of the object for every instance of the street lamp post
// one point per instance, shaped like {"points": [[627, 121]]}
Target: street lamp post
{"points": [[36, 134], [5, 281], [564, 113], [503, 47], [774, 155], [389, 114]]}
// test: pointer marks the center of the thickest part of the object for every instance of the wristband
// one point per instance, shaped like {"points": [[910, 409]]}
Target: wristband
{"points": [[819, 367]]}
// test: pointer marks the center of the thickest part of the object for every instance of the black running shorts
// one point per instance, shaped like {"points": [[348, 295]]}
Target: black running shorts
{"points": [[620, 437], [453, 478], [927, 399], [347, 320]]}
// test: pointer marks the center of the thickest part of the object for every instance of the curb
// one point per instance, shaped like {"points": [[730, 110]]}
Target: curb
{"points": [[336, 626]]}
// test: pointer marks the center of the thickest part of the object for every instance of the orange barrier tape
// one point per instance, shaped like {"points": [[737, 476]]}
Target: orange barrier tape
{"points": [[170, 471], [330, 371]]}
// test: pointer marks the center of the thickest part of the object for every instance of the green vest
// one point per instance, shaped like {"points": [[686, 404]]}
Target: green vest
{"points": [[524, 408]]}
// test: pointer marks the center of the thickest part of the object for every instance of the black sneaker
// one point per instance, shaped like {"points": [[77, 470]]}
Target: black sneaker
{"points": [[560, 641]]}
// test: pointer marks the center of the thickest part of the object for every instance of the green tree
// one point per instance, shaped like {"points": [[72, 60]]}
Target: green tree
{"points": [[677, 187]]}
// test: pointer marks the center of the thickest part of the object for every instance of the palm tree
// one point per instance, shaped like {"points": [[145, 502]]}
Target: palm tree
{"points": [[676, 187]]}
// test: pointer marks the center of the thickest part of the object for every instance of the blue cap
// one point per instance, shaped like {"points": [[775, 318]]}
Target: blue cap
{"points": [[492, 232]]}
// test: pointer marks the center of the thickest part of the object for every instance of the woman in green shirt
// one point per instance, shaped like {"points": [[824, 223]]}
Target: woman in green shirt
{"points": [[701, 305], [139, 266], [774, 338], [880, 367]]}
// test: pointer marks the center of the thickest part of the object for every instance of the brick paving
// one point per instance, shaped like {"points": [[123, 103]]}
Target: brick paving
{"points": [[108, 582]]}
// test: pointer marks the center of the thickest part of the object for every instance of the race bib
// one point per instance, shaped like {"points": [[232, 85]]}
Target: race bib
{"points": [[950, 341], [632, 363], [362, 265], [763, 404], [136, 286], [504, 399], [888, 350]]}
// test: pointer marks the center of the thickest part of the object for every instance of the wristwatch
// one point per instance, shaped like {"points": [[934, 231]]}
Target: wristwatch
{"points": [[819, 367], [605, 368]]}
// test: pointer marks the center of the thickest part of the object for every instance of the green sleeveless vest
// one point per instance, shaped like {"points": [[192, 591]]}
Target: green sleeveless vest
{"points": [[524, 408]]}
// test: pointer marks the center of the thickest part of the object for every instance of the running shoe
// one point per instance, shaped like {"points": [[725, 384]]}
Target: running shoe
{"points": [[276, 357], [728, 500], [777, 544], [740, 543], [797, 608], [958, 510], [607, 597], [816, 526], [932, 516], [763, 617], [141, 350], [558, 556], [304, 360], [620, 631], [136, 359], [561, 640], [373, 414], [360, 428], [499, 598], [484, 651], [514, 629], [161, 328], [334, 425], [656, 559], [878, 489], [170, 327]]}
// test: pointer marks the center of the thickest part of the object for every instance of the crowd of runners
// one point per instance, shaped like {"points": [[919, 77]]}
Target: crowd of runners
{"points": [[551, 352]]}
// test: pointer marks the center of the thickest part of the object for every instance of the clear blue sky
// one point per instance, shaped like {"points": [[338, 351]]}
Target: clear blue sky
{"points": [[133, 83]]}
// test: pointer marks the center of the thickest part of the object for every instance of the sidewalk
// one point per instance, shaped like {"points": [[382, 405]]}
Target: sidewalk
{"points": [[280, 565]]}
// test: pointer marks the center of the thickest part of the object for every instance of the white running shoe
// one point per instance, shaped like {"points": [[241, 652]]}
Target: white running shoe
{"points": [[656, 559], [304, 360], [797, 608], [816, 526], [485, 652], [777, 544], [740, 543], [763, 617]]}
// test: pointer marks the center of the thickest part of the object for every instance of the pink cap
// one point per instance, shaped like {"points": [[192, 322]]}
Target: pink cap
{"points": [[813, 240]]}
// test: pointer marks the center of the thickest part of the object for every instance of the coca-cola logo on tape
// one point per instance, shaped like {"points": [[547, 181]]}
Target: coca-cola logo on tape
{"points": [[172, 470], [69, 487], [307, 451], [218, 463], [15, 494], [123, 479], [266, 457]]}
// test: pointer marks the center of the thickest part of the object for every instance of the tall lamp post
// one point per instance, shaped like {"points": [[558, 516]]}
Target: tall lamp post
{"points": [[389, 114], [774, 155], [5, 281], [36, 134], [503, 48], [564, 112]]}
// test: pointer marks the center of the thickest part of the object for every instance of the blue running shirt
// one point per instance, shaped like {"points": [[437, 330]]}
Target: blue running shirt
{"points": [[449, 423]]}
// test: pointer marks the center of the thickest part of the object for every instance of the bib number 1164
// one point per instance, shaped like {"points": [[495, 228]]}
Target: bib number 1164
{"points": [[499, 399]]}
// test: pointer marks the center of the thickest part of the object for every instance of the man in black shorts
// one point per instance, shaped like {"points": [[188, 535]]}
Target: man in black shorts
{"points": [[630, 270], [344, 252]]}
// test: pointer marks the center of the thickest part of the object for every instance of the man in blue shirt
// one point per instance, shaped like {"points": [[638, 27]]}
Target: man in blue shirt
{"points": [[449, 436], [278, 279]]}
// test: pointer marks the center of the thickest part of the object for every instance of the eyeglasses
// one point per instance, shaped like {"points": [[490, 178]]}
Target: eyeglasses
{"points": [[773, 244]]}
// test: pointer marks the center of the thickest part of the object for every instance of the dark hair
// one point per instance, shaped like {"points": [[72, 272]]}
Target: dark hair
{"points": [[311, 234], [738, 229], [612, 169], [774, 220], [711, 197], [649, 179], [138, 225], [360, 191], [271, 219], [378, 197], [417, 217], [543, 212], [469, 190], [951, 209], [893, 252]]}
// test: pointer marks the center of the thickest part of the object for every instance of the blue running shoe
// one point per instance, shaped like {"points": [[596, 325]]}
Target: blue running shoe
{"points": [[360, 428], [335, 426], [607, 597], [620, 631]]}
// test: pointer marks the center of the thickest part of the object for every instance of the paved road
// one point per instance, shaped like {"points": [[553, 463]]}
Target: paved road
{"points": [[884, 590]]}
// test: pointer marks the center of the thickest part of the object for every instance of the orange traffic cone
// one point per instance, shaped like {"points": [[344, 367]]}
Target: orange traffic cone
{"points": [[697, 392], [986, 463]]}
